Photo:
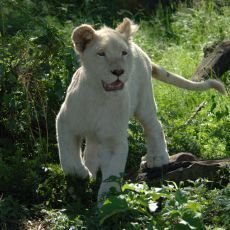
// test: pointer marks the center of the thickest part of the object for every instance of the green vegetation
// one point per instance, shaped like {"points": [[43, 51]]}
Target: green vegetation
{"points": [[36, 64]]}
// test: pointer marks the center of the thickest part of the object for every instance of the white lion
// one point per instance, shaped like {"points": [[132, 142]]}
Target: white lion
{"points": [[112, 85]]}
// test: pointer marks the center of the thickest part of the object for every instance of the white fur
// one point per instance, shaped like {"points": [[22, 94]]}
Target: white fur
{"points": [[100, 117]]}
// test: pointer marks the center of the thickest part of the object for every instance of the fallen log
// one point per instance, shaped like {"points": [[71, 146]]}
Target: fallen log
{"points": [[183, 167], [215, 63]]}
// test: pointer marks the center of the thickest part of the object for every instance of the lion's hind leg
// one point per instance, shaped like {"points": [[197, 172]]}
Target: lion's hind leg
{"points": [[157, 154]]}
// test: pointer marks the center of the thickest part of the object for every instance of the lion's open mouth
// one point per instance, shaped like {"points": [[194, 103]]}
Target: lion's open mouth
{"points": [[116, 85]]}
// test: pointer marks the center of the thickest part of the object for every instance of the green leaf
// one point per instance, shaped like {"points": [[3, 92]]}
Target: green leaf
{"points": [[140, 188], [112, 206], [180, 197], [129, 187], [183, 225], [172, 213], [193, 206], [194, 220]]}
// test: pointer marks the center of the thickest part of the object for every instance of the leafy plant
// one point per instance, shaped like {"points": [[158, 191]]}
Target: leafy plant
{"points": [[37, 62], [10, 212], [153, 207]]}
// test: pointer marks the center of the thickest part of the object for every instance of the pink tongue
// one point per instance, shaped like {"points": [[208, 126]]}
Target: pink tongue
{"points": [[114, 85]]}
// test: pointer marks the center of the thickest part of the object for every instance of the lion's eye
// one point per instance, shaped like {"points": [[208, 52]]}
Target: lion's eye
{"points": [[124, 53], [101, 54]]}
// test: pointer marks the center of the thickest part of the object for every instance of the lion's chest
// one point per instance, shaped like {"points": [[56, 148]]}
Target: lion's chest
{"points": [[99, 115]]}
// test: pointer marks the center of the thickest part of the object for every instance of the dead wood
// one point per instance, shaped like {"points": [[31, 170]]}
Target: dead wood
{"points": [[198, 109], [215, 63], [183, 167]]}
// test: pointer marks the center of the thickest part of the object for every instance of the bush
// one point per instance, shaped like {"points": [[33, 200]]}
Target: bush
{"points": [[37, 62]]}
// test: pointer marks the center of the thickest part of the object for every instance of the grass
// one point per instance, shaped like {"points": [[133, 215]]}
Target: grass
{"points": [[36, 65], [181, 53]]}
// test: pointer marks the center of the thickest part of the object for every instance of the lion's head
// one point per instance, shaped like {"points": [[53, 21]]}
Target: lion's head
{"points": [[106, 53]]}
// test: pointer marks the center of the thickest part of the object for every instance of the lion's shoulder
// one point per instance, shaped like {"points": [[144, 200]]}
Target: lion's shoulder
{"points": [[75, 80]]}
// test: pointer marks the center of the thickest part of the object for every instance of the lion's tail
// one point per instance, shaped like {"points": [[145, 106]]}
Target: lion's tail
{"points": [[173, 79]]}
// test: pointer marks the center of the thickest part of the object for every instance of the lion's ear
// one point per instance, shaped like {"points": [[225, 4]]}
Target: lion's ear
{"points": [[127, 28], [81, 36]]}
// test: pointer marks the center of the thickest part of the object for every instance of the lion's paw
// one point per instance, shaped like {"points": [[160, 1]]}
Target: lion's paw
{"points": [[81, 172]]}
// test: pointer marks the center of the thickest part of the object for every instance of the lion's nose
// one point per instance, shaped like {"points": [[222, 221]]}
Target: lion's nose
{"points": [[117, 72]]}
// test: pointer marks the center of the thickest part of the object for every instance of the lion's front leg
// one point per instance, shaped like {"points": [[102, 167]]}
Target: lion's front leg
{"points": [[91, 158], [113, 161], [69, 147]]}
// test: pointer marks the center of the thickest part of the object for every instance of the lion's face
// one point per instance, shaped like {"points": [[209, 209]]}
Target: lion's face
{"points": [[108, 58], [106, 54]]}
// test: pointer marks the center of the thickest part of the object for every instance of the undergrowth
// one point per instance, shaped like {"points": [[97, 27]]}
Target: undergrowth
{"points": [[36, 65]]}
